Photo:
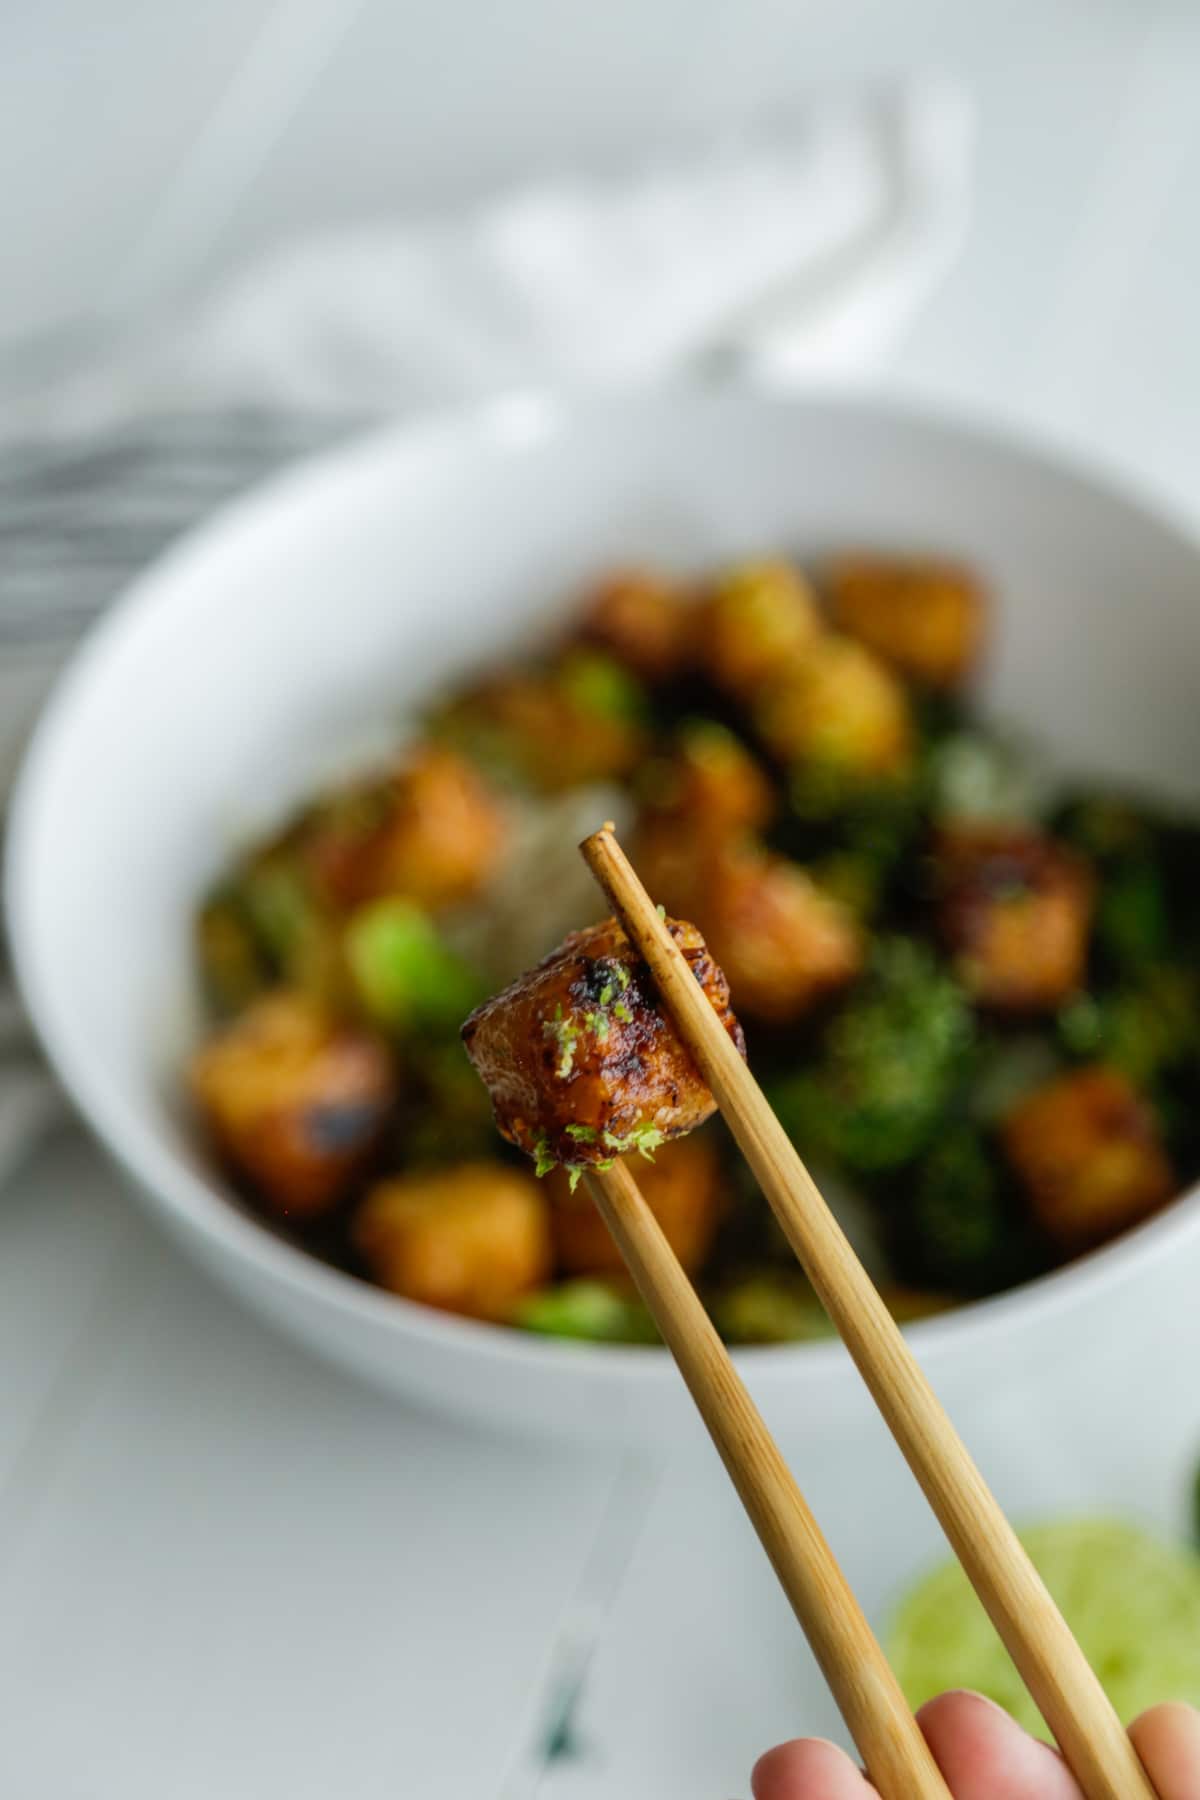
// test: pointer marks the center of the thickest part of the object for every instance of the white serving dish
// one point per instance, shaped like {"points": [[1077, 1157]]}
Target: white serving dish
{"points": [[298, 627]]}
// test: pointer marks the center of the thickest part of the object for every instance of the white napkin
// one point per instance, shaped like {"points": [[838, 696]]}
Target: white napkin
{"points": [[800, 251], [806, 248]]}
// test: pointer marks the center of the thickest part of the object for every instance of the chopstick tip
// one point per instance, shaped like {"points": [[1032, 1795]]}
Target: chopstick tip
{"points": [[604, 836]]}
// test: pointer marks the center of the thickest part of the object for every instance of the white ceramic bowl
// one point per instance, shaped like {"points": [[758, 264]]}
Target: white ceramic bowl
{"points": [[308, 617]]}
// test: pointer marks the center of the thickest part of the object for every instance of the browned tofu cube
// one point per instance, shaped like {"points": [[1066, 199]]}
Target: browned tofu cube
{"points": [[924, 617], [756, 618], [1015, 912], [682, 1189], [710, 782], [784, 943], [840, 709], [580, 1061], [789, 944], [643, 620], [431, 831], [1087, 1151], [556, 728], [294, 1103], [467, 1239]]}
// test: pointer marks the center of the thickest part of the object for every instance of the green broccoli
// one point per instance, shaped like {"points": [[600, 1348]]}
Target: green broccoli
{"points": [[267, 915], [893, 1059], [446, 1114], [278, 902], [1133, 913], [857, 837], [954, 1224], [233, 969], [1105, 827], [1146, 1028], [1132, 927]]}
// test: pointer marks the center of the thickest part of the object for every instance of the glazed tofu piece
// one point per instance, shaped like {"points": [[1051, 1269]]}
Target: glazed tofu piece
{"points": [[431, 831], [840, 709], [1015, 913], [784, 943], [682, 1189], [787, 944], [471, 1238], [580, 720], [923, 616], [710, 782], [755, 619], [581, 1063], [642, 619], [294, 1103], [1087, 1151]]}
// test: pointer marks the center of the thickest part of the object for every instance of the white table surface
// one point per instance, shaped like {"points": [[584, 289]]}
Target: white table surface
{"points": [[225, 1570]]}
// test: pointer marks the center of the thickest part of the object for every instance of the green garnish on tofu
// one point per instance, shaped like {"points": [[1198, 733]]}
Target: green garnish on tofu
{"points": [[565, 1033], [597, 1022], [544, 1159], [645, 1139]]}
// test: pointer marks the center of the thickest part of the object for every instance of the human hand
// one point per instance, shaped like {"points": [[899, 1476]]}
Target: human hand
{"points": [[985, 1756]]}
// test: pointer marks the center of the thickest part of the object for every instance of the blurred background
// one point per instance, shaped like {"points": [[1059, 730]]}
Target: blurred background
{"points": [[224, 1568], [157, 145]]}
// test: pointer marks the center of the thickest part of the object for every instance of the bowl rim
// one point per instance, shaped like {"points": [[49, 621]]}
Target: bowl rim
{"points": [[199, 1206]]}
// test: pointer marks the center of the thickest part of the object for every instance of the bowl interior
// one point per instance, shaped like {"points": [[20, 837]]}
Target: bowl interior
{"points": [[295, 635]]}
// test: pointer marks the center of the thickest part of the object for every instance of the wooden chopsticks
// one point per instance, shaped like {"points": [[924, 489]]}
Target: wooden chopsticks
{"points": [[1050, 1662], [860, 1678]]}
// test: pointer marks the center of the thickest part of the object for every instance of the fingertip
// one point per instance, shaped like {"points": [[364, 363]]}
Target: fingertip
{"points": [[965, 1709], [977, 1745], [1167, 1738], [807, 1769]]}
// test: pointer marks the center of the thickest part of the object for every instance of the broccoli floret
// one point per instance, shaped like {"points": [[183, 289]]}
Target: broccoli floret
{"points": [[892, 1061], [233, 968], [1105, 827], [1146, 1029], [1133, 911], [293, 937], [1132, 920], [446, 1113], [770, 1308], [857, 836], [956, 1224], [599, 1311], [278, 901]]}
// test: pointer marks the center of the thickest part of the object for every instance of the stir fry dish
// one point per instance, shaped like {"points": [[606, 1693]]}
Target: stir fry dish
{"points": [[972, 994]]}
